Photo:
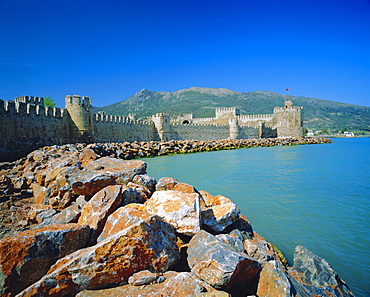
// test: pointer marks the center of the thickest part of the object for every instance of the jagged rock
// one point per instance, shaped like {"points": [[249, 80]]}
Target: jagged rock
{"points": [[233, 241], [47, 214], [143, 277], [259, 249], [27, 256], [176, 284], [218, 264], [87, 156], [185, 188], [273, 281], [103, 204], [50, 170], [122, 218], [218, 217], [35, 211], [147, 245], [103, 172], [166, 183], [145, 181], [21, 183], [312, 275], [176, 208], [39, 193], [68, 215], [143, 191]]}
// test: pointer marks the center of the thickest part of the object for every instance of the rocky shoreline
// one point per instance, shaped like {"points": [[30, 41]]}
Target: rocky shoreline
{"points": [[85, 220]]}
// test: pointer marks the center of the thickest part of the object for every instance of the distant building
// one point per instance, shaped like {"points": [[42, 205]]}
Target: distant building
{"points": [[25, 124]]}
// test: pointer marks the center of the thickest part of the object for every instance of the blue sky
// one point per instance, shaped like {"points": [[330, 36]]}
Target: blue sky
{"points": [[111, 49]]}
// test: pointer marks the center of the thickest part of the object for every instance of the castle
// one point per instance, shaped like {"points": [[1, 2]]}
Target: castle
{"points": [[25, 125]]}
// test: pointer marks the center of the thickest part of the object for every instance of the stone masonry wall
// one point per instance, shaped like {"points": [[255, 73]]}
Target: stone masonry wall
{"points": [[25, 127], [199, 132], [121, 129]]}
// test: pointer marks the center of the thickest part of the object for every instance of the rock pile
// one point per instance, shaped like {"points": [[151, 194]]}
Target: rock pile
{"points": [[100, 226]]}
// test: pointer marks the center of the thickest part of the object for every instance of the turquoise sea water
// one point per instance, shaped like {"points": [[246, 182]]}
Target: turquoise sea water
{"points": [[317, 196]]}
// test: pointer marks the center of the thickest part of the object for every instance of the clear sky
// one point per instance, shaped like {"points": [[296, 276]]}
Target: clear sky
{"points": [[110, 49]]}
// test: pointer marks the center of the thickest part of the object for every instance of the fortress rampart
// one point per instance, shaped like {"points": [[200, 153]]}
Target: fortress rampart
{"points": [[25, 125]]}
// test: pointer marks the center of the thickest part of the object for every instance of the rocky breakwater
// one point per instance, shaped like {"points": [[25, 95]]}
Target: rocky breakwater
{"points": [[82, 224]]}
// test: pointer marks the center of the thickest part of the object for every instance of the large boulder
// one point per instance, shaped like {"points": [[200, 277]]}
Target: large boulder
{"points": [[123, 218], [218, 217], [166, 183], [173, 284], [219, 264], [147, 245], [68, 215], [103, 172], [178, 209], [26, 257], [312, 275], [103, 204], [273, 281]]}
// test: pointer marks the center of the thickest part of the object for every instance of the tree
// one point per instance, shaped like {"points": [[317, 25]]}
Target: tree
{"points": [[49, 102]]}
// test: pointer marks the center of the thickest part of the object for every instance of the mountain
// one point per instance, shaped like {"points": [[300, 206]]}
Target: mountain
{"points": [[202, 102]]}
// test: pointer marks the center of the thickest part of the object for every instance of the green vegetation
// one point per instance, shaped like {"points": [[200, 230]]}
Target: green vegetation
{"points": [[48, 101], [280, 254], [202, 102]]}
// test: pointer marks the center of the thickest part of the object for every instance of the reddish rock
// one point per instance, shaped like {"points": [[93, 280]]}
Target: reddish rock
{"points": [[143, 277], [166, 183], [312, 275], [35, 211], [145, 181], [273, 281], [175, 284], [39, 193], [185, 188], [124, 217], [103, 172], [52, 168], [100, 206], [144, 246], [176, 208], [26, 257], [218, 264], [258, 248], [68, 215], [87, 156], [218, 217], [143, 191]]}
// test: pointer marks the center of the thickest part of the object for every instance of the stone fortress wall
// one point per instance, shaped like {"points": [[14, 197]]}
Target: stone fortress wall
{"points": [[25, 125]]}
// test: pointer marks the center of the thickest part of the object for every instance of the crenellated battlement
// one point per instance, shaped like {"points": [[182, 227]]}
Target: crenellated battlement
{"points": [[197, 125], [22, 109], [197, 120], [103, 118], [256, 117], [25, 120], [82, 101], [220, 112], [30, 100]]}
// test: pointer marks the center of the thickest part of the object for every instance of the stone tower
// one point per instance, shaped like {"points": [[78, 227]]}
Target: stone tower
{"points": [[162, 124], [234, 129], [288, 120], [79, 109]]}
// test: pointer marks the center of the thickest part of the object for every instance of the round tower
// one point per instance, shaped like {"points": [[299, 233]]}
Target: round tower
{"points": [[162, 123], [234, 129], [79, 109]]}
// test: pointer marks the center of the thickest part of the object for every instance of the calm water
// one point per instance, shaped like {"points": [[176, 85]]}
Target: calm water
{"points": [[317, 196]]}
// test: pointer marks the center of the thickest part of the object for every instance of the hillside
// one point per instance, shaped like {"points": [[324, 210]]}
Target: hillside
{"points": [[202, 102]]}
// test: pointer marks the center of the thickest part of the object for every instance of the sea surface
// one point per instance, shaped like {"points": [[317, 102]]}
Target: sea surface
{"points": [[317, 196]]}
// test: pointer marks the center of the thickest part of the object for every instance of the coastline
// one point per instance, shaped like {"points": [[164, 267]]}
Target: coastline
{"points": [[76, 177]]}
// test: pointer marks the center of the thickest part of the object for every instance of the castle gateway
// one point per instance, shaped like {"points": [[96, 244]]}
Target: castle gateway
{"points": [[25, 125]]}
